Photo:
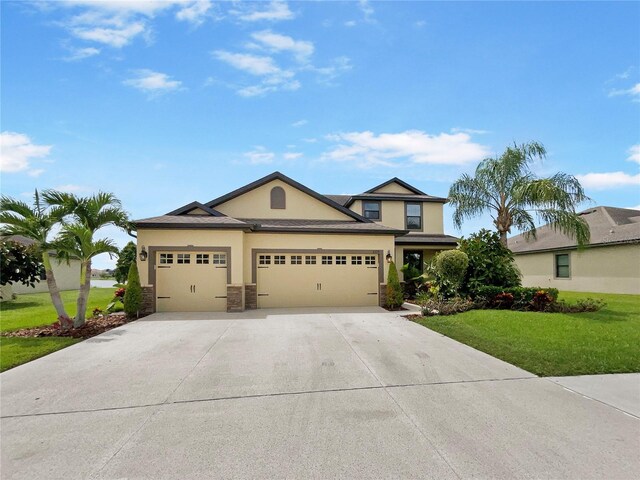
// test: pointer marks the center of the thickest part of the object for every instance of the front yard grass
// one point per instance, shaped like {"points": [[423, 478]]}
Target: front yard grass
{"points": [[554, 344], [34, 310]]}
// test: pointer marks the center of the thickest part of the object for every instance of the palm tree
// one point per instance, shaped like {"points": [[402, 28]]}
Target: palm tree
{"points": [[76, 241], [36, 222], [506, 187], [88, 215]]}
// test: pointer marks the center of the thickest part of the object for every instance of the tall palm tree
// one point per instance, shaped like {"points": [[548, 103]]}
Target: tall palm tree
{"points": [[36, 222], [87, 215], [506, 187]]}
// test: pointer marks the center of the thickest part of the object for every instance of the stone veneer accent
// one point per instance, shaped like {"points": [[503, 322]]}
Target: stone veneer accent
{"points": [[382, 295], [234, 298], [148, 301], [251, 296]]}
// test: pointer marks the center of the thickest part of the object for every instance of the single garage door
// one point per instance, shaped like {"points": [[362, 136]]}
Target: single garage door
{"points": [[191, 281], [317, 280]]}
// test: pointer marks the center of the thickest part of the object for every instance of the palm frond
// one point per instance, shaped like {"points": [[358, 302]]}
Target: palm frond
{"points": [[568, 223]]}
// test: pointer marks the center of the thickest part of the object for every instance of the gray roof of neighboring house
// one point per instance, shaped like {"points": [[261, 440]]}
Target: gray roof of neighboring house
{"points": [[419, 238], [19, 239], [608, 226]]}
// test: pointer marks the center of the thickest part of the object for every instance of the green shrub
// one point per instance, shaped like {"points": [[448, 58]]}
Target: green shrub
{"points": [[449, 268], [490, 262], [414, 281], [581, 305], [395, 296], [133, 293], [515, 298], [434, 306]]}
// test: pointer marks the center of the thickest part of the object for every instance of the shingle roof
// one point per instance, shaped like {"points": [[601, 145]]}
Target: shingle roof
{"points": [[339, 199], [608, 226], [331, 226], [397, 196], [22, 240], [190, 221], [399, 182]]}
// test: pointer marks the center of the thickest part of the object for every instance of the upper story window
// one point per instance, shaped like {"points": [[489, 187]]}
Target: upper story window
{"points": [[278, 198], [414, 216], [371, 210]]}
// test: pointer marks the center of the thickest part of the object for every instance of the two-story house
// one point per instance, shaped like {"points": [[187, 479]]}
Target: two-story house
{"points": [[277, 243]]}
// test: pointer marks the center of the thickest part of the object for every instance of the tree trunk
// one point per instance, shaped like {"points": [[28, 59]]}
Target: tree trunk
{"points": [[503, 238], [56, 299], [83, 294]]}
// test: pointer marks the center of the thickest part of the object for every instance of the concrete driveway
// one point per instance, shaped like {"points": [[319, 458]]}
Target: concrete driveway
{"points": [[352, 393]]}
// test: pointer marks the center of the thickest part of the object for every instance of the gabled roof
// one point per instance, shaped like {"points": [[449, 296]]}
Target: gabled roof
{"points": [[191, 221], [608, 226], [280, 176], [399, 182], [192, 206]]}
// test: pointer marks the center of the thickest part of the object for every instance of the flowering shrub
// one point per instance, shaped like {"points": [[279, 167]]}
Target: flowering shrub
{"points": [[118, 300], [120, 292], [503, 300], [541, 301], [96, 312]]}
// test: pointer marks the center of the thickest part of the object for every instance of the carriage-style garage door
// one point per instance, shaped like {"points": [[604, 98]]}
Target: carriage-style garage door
{"points": [[306, 279], [191, 281]]}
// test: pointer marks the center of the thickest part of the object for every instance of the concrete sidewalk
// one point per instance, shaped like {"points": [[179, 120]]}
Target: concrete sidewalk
{"points": [[315, 393]]}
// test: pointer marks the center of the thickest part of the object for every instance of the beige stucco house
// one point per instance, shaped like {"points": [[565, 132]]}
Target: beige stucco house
{"points": [[67, 274], [610, 264], [277, 243]]}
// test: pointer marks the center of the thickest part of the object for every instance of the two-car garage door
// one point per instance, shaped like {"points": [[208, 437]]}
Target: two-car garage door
{"points": [[305, 279]]}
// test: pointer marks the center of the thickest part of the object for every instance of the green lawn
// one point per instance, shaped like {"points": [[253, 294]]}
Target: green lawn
{"points": [[34, 310], [550, 344]]}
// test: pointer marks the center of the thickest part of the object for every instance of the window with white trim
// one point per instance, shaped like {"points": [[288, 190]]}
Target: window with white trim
{"points": [[279, 259], [166, 258], [356, 259], [264, 259], [310, 259], [184, 258], [327, 259], [296, 259], [202, 258], [371, 210], [341, 259], [370, 260], [219, 259]]}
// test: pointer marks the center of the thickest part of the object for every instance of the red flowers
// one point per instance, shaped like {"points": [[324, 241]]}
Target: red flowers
{"points": [[120, 293]]}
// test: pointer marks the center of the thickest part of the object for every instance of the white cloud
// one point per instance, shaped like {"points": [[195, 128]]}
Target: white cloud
{"points": [[276, 42], [608, 180], [470, 131], [114, 37], [277, 10], [634, 153], [72, 188], [337, 67], [36, 172], [310, 140], [299, 123], [17, 150], [633, 92], [420, 23], [273, 77], [259, 156], [153, 83], [367, 10], [366, 149], [292, 155], [637, 207], [350, 23], [195, 12], [81, 53]]}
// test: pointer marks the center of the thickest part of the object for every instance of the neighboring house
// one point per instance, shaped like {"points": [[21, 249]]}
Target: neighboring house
{"points": [[277, 243], [67, 274], [610, 264]]}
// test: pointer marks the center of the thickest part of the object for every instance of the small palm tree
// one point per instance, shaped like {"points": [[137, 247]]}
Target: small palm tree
{"points": [[506, 187], [87, 215], [36, 222], [76, 241]]}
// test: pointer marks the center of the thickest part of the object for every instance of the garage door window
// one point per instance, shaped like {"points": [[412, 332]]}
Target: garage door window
{"points": [[341, 259], [219, 258], [296, 259], [202, 258], [166, 258], [327, 259], [184, 258], [356, 260], [370, 260], [264, 259], [310, 259], [279, 259]]}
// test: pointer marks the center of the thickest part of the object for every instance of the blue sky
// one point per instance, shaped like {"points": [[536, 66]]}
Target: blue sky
{"points": [[166, 102]]}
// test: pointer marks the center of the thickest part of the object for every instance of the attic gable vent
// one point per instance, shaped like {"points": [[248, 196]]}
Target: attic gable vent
{"points": [[278, 198]]}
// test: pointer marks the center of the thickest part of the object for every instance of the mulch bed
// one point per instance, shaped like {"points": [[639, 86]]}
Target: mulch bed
{"points": [[91, 328]]}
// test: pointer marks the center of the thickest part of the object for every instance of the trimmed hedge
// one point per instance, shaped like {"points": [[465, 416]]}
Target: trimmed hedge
{"points": [[516, 298]]}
